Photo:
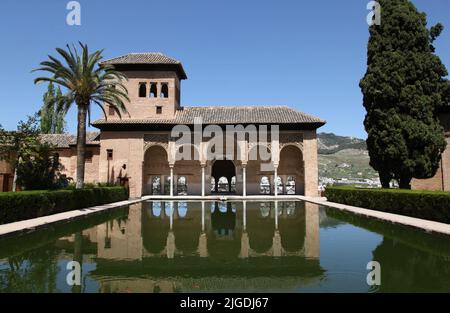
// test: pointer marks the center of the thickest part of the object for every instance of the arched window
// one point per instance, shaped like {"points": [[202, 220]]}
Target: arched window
{"points": [[264, 186], [279, 184], [182, 186], [153, 91], [156, 185], [142, 90], [290, 185], [156, 209], [290, 208], [182, 208], [233, 184], [264, 208], [164, 91], [168, 208], [167, 186], [223, 184]]}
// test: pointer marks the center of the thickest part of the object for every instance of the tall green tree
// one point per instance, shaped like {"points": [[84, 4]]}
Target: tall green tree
{"points": [[15, 146], [403, 87], [86, 83], [52, 120]]}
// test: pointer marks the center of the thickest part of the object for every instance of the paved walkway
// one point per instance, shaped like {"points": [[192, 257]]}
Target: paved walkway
{"points": [[41, 222], [426, 225], [27, 226]]}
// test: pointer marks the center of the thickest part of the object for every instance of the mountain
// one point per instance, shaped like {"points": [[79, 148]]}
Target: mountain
{"points": [[343, 158], [329, 143]]}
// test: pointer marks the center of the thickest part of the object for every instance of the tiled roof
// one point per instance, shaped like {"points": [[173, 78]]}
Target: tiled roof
{"points": [[142, 58], [227, 115], [146, 58], [67, 140]]}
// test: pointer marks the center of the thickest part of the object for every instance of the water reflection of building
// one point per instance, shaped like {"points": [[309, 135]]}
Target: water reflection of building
{"points": [[166, 239]]}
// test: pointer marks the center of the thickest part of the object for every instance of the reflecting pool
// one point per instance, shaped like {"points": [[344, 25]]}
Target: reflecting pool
{"points": [[208, 246]]}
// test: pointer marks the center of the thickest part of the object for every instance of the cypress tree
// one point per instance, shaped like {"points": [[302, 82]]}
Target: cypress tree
{"points": [[403, 87]]}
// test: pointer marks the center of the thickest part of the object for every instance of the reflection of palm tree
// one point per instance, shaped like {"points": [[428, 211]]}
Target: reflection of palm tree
{"points": [[78, 257]]}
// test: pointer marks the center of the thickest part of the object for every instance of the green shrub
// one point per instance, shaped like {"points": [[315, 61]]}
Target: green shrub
{"points": [[17, 206], [430, 205]]}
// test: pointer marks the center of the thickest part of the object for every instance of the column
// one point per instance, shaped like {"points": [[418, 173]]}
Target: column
{"points": [[171, 181], [276, 181], [203, 216], [244, 215], [203, 180], [312, 231], [276, 215], [244, 181]]}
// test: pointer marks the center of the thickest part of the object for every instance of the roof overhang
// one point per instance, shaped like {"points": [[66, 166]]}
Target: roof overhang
{"points": [[177, 68]]}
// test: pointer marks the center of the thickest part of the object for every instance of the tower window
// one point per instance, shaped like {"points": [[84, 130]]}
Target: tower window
{"points": [[111, 110], [142, 90], [164, 91], [109, 154], [158, 110], [153, 91]]}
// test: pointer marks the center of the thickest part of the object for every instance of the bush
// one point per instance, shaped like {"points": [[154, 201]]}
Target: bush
{"points": [[17, 206], [430, 205]]}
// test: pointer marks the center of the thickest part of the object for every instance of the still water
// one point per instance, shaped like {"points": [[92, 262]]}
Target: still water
{"points": [[283, 246]]}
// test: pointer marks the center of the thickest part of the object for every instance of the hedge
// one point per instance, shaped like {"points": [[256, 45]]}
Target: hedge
{"points": [[17, 206], [430, 205]]}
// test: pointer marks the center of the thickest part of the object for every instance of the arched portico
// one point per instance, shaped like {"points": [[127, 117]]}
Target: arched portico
{"points": [[156, 170], [291, 170], [223, 169]]}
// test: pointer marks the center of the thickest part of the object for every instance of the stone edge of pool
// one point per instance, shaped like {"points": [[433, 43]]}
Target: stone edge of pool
{"points": [[27, 226]]}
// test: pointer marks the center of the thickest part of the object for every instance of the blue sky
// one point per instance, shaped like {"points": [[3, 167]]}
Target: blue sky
{"points": [[309, 55]]}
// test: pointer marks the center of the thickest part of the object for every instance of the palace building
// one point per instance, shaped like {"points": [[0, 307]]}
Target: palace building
{"points": [[139, 149]]}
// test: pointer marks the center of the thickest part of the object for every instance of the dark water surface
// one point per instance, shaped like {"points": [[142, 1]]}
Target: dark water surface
{"points": [[284, 246]]}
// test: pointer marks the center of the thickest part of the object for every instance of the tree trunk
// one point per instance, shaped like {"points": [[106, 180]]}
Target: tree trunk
{"points": [[81, 145], [14, 186], [404, 182], [385, 180]]}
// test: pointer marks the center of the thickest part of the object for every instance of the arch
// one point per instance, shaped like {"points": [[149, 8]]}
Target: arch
{"points": [[278, 183], [142, 90], [222, 185], [155, 165], [164, 91], [156, 185], [153, 91], [223, 171], [187, 227], [264, 185], [258, 167], [182, 186], [290, 185], [182, 208], [260, 226], [292, 169], [292, 226], [155, 209], [154, 228], [233, 184], [187, 170]]}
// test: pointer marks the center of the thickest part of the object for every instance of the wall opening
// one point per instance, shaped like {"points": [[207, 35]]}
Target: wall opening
{"points": [[142, 90]]}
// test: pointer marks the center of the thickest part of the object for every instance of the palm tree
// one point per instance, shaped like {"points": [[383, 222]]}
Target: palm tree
{"points": [[86, 82]]}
